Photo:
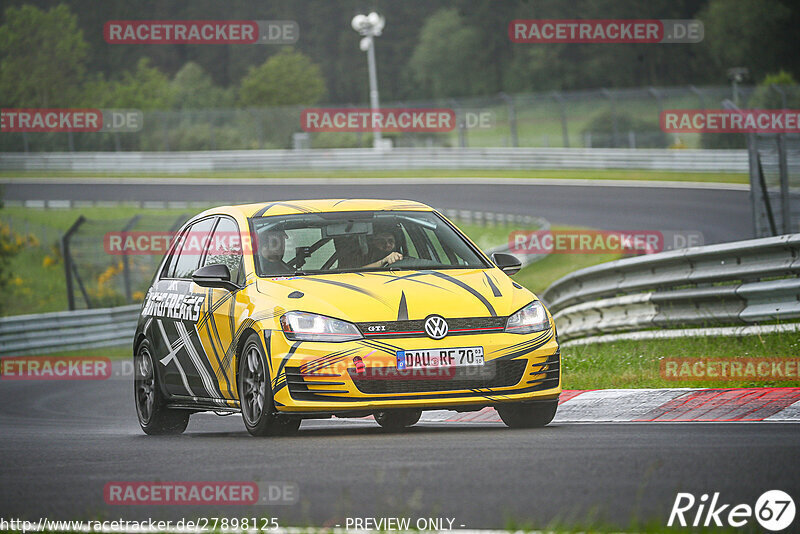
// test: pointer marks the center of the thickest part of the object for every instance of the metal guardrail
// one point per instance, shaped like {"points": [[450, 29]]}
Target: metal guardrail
{"points": [[68, 330], [103, 327], [370, 159], [744, 282]]}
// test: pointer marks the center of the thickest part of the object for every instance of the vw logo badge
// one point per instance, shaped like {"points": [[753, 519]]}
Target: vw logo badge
{"points": [[435, 327]]}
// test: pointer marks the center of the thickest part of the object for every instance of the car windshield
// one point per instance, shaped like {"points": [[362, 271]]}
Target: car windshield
{"points": [[358, 241]]}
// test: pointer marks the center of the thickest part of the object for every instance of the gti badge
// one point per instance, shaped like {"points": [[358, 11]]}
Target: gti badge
{"points": [[435, 327]]}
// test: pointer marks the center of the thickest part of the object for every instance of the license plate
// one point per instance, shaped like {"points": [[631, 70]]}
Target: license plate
{"points": [[437, 358]]}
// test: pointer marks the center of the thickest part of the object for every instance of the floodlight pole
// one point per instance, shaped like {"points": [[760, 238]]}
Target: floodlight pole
{"points": [[374, 99], [371, 26]]}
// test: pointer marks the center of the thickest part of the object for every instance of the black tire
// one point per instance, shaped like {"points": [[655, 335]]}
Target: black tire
{"points": [[255, 394], [154, 416], [533, 415], [397, 420]]}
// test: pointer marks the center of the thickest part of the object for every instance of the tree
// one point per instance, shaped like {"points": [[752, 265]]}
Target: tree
{"points": [[146, 88], [287, 78], [756, 34], [764, 97], [767, 97], [449, 57], [43, 57], [193, 89]]}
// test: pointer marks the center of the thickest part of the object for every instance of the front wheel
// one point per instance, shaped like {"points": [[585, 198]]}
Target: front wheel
{"points": [[397, 420], [255, 395], [155, 417], [532, 415]]}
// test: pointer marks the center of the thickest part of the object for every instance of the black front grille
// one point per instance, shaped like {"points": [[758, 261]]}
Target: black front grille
{"points": [[495, 374]]}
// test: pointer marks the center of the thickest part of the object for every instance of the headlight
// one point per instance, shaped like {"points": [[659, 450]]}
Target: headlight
{"points": [[304, 326], [531, 318]]}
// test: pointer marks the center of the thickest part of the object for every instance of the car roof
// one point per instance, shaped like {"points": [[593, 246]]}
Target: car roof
{"points": [[289, 207]]}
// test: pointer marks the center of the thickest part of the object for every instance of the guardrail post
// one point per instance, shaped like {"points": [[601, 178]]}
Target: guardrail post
{"points": [[777, 89], [259, 127], [700, 96], [68, 259], [765, 196], [614, 126], [165, 129], [786, 207], [211, 134], [462, 129], [126, 273], [512, 119], [563, 111]]}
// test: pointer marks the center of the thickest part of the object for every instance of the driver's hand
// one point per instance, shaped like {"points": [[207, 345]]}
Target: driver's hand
{"points": [[391, 258]]}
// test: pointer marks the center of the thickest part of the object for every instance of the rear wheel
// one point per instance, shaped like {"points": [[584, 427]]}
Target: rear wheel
{"points": [[154, 416], [255, 395], [531, 415], [396, 420]]}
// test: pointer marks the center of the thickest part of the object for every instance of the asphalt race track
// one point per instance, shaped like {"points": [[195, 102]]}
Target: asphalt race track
{"points": [[721, 214], [61, 442]]}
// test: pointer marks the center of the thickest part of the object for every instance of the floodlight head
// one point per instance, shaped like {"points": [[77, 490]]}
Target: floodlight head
{"points": [[738, 74], [359, 22], [377, 22], [365, 43]]}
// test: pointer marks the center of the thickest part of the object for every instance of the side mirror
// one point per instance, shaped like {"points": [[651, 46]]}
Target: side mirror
{"points": [[214, 276], [507, 263]]}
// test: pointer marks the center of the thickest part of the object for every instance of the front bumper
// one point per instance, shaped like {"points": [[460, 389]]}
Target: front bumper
{"points": [[314, 377]]}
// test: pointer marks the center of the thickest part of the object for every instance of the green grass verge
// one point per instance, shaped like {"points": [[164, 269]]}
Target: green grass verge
{"points": [[116, 352], [582, 174], [637, 364], [37, 282]]}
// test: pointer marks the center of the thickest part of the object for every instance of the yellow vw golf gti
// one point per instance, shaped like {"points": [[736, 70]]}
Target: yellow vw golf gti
{"points": [[294, 310]]}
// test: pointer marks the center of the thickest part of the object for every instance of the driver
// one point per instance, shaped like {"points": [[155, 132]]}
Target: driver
{"points": [[382, 249], [271, 247]]}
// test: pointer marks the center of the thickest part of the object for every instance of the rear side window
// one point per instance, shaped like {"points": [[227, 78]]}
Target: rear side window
{"points": [[186, 258]]}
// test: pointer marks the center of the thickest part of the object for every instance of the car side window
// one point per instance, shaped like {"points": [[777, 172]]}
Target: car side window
{"points": [[186, 258], [225, 248]]}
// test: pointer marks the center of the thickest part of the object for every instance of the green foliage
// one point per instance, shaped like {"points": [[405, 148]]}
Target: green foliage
{"points": [[43, 57], [193, 88], [749, 33], [287, 78], [11, 245], [766, 97], [146, 88], [601, 127], [444, 61]]}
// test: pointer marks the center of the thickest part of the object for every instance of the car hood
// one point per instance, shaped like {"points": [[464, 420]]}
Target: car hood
{"points": [[391, 296]]}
